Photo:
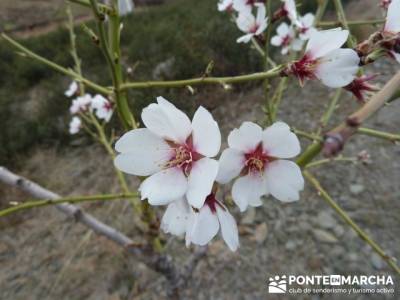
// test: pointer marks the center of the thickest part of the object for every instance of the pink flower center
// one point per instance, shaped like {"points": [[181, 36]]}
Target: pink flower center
{"points": [[212, 203], [286, 40], [303, 29], [304, 68], [108, 106], [183, 156], [256, 161], [254, 28]]}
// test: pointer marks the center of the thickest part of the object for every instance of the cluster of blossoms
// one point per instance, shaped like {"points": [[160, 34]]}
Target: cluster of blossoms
{"points": [[324, 58], [177, 158], [84, 104]]}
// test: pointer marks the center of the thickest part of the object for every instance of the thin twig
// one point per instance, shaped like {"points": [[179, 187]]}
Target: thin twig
{"points": [[362, 234]]}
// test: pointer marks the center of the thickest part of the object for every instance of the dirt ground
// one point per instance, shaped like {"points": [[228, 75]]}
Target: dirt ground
{"points": [[44, 255]]}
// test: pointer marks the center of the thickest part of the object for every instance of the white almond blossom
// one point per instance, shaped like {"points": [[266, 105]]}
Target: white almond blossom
{"points": [[125, 7], [245, 5], [326, 60], [225, 5], [174, 152], [250, 25], [75, 125], [392, 26], [305, 26], [257, 158], [81, 104], [72, 89], [201, 225], [102, 107], [286, 39], [289, 9]]}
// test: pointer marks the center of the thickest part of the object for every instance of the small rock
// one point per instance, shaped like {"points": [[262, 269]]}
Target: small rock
{"points": [[290, 245], [356, 189], [325, 220], [249, 216], [314, 263], [324, 236], [260, 233], [376, 261], [338, 230], [353, 256]]}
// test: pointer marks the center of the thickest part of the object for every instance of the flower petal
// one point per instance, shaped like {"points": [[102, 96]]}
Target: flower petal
{"points": [[143, 153], [279, 141], [200, 181], [164, 186], [166, 121], [206, 134], [338, 68], [175, 219], [231, 163], [393, 17], [245, 38], [229, 228], [246, 138], [325, 41], [248, 189], [245, 21], [283, 29], [284, 180], [202, 227]]}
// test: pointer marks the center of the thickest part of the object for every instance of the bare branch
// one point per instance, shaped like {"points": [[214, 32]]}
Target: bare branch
{"points": [[336, 138]]}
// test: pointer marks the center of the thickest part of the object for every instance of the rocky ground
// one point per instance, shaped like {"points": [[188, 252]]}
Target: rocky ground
{"points": [[44, 255]]}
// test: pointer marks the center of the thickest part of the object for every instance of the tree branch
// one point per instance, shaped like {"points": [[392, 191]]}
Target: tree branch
{"points": [[68, 72], [336, 138]]}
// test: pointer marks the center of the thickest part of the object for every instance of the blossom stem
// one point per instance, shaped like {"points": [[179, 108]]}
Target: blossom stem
{"points": [[379, 134], [346, 218], [274, 72], [328, 160], [307, 135], [322, 5], [111, 52], [308, 155], [45, 202], [333, 105], [55, 66], [342, 19], [74, 52]]}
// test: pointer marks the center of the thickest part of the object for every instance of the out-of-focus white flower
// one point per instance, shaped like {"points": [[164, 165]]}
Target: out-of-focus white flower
{"points": [[325, 60], [393, 17], [245, 5], [285, 38], [305, 26], [201, 225], [205, 223], [102, 107], [258, 157], [289, 10], [72, 89], [385, 3], [81, 104], [392, 27], [125, 7], [251, 25], [174, 152], [75, 125], [225, 5]]}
